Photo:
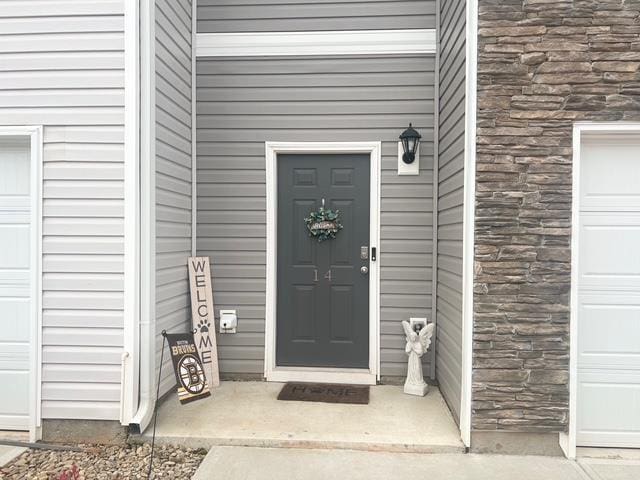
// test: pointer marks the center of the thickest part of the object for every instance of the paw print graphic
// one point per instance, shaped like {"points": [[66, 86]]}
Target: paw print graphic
{"points": [[203, 326]]}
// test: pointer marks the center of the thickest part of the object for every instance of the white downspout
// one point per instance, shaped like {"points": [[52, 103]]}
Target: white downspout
{"points": [[147, 360], [131, 282]]}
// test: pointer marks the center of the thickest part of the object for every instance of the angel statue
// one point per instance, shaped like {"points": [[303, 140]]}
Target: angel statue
{"points": [[417, 345]]}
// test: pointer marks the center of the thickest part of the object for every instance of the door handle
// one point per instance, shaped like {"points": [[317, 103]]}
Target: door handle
{"points": [[315, 274], [364, 270]]}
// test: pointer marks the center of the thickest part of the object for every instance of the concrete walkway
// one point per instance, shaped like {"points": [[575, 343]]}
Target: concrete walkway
{"points": [[235, 463], [249, 414], [244, 463], [8, 453]]}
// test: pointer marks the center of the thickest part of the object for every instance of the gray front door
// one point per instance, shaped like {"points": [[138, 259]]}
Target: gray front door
{"points": [[323, 296]]}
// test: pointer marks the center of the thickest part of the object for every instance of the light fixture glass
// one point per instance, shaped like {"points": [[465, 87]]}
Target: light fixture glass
{"points": [[410, 139]]}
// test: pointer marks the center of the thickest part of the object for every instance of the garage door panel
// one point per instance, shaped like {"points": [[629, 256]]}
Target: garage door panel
{"points": [[14, 284], [14, 165], [618, 393], [608, 393], [13, 310], [609, 252], [609, 333], [14, 240], [610, 175]]}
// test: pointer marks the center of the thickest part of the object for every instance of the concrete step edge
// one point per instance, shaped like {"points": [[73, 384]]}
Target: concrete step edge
{"points": [[208, 442]]}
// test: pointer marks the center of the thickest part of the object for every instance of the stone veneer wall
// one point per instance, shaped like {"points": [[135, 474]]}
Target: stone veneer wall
{"points": [[543, 65]]}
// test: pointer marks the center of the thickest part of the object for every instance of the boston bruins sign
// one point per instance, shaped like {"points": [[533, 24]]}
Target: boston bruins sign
{"points": [[192, 381]]}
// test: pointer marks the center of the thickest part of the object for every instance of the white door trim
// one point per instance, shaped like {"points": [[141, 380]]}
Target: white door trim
{"points": [[580, 130], [330, 375], [34, 133], [334, 42]]}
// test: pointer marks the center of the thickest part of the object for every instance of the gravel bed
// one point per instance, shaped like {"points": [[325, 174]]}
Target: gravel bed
{"points": [[102, 462]]}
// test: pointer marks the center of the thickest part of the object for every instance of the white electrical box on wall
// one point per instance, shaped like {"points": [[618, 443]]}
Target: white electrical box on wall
{"points": [[417, 324], [228, 321], [408, 168]]}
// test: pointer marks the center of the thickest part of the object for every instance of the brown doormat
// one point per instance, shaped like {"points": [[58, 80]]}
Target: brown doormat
{"points": [[325, 392]]}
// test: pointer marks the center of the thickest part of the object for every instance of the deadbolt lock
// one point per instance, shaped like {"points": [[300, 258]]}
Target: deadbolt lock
{"points": [[364, 252]]}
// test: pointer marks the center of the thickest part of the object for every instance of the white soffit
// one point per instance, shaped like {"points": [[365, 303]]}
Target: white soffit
{"points": [[343, 42]]}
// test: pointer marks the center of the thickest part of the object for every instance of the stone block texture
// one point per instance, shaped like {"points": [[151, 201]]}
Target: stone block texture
{"points": [[543, 65]]}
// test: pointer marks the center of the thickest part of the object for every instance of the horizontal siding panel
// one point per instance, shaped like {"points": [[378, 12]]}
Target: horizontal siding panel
{"points": [[103, 355], [80, 373], [82, 245], [288, 15], [61, 80], [83, 318], [82, 337], [102, 282], [96, 410], [75, 300], [52, 61], [87, 153], [84, 208], [83, 226], [108, 392]]}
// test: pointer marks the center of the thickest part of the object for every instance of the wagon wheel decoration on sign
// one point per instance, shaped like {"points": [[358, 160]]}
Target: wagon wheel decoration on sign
{"points": [[323, 224]]}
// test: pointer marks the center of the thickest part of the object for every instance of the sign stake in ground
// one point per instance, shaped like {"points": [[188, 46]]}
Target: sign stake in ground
{"points": [[203, 317]]}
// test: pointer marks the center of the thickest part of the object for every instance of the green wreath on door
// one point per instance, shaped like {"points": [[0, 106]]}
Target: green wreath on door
{"points": [[323, 224]]}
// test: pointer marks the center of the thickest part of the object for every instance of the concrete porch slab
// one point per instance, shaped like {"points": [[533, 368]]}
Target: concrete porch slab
{"points": [[237, 463], [249, 414]]}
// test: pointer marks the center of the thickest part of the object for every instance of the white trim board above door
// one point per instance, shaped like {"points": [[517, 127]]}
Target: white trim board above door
{"points": [[340, 42], [312, 374]]}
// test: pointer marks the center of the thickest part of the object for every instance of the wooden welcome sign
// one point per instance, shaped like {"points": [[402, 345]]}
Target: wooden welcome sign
{"points": [[202, 314]]}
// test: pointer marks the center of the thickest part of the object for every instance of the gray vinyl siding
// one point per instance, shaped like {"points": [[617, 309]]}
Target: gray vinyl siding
{"points": [[62, 66], [241, 103], [173, 173], [451, 201], [216, 16]]}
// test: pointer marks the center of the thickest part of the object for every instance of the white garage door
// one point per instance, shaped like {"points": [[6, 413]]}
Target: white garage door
{"points": [[15, 301], [608, 395]]}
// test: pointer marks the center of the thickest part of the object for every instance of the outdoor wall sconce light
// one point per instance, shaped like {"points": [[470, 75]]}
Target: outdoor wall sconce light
{"points": [[410, 139], [408, 152]]}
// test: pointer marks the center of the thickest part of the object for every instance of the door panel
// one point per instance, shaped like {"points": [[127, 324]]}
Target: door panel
{"points": [[608, 396], [322, 313], [15, 292]]}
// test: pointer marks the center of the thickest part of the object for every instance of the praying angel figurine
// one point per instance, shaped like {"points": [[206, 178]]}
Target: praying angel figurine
{"points": [[417, 345]]}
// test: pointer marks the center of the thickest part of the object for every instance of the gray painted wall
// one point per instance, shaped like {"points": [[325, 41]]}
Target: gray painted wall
{"points": [[173, 172], [299, 15], [244, 102], [62, 66], [451, 201]]}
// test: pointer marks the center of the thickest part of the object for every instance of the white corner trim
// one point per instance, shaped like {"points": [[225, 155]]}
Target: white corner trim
{"points": [[337, 42], [468, 241], [359, 376], [34, 134], [129, 395], [568, 441], [436, 194]]}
